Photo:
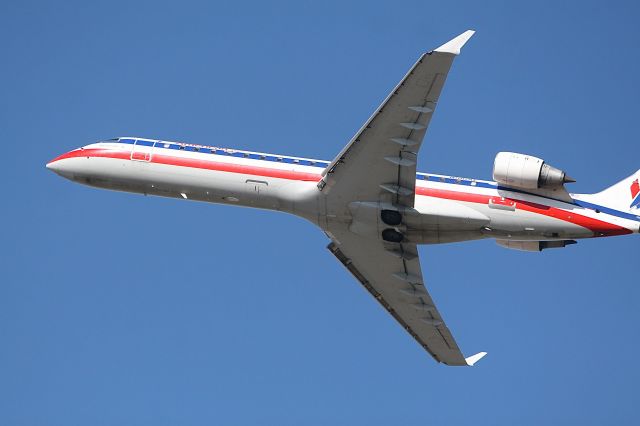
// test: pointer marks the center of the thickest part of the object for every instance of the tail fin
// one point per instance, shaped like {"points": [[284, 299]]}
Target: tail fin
{"points": [[624, 195]]}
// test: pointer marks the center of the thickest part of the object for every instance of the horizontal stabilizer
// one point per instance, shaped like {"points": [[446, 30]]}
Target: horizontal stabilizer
{"points": [[471, 360]]}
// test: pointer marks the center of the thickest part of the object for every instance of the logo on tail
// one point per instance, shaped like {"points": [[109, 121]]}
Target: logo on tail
{"points": [[635, 194]]}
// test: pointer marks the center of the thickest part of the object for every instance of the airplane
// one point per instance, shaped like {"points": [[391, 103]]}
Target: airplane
{"points": [[370, 201]]}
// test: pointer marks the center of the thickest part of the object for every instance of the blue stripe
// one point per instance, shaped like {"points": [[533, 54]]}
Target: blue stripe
{"points": [[608, 210], [579, 203], [419, 176], [490, 185], [221, 151]]}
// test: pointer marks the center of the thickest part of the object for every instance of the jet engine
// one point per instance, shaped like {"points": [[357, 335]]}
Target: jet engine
{"points": [[527, 172]]}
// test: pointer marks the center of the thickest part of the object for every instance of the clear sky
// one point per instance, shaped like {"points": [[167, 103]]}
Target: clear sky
{"points": [[120, 309]]}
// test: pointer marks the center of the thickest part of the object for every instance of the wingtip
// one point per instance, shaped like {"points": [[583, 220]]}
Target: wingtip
{"points": [[471, 360], [453, 46]]}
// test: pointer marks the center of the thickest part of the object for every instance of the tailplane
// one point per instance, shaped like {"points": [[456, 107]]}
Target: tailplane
{"points": [[624, 195]]}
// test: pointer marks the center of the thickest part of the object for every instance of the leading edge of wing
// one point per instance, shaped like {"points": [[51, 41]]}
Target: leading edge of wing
{"points": [[454, 45]]}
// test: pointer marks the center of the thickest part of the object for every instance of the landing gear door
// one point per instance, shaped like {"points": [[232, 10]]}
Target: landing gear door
{"points": [[142, 150]]}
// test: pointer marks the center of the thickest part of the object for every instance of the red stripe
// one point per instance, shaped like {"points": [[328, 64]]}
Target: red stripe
{"points": [[197, 164], [599, 227], [236, 168], [106, 153]]}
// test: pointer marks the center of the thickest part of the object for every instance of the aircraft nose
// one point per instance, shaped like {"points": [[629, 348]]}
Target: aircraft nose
{"points": [[56, 165], [51, 165], [61, 165]]}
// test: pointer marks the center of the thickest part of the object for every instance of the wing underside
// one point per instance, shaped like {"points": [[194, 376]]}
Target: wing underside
{"points": [[394, 279], [380, 160], [378, 167]]}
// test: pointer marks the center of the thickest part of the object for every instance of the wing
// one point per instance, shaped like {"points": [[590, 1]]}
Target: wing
{"points": [[379, 165], [389, 141], [394, 278]]}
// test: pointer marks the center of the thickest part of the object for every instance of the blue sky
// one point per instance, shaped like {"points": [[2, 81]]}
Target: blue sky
{"points": [[131, 310]]}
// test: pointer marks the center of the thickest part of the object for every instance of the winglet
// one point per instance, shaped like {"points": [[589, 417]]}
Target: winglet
{"points": [[454, 46], [471, 360]]}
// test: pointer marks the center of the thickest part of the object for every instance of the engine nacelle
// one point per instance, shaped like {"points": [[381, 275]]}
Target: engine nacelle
{"points": [[534, 245], [527, 172]]}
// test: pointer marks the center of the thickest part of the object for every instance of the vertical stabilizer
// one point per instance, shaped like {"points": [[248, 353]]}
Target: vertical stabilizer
{"points": [[624, 195]]}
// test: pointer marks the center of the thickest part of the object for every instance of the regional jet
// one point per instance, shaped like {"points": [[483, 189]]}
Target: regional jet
{"points": [[370, 201]]}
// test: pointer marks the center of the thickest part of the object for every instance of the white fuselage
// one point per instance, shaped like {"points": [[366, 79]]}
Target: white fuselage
{"points": [[446, 209]]}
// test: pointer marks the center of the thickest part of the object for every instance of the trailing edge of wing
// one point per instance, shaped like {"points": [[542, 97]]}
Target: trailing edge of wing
{"points": [[453, 46], [471, 360]]}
